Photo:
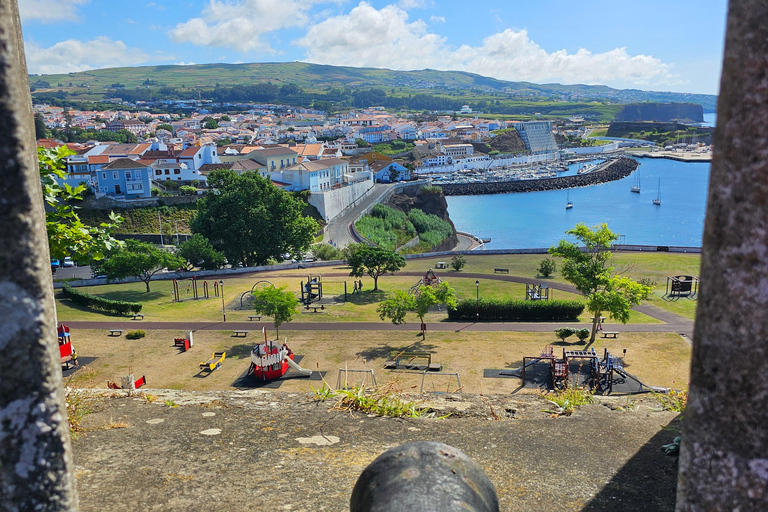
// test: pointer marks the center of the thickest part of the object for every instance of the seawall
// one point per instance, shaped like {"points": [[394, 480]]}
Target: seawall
{"points": [[612, 171]]}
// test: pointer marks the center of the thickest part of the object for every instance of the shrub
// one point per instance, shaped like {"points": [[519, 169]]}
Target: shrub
{"points": [[582, 334], [135, 335], [187, 190], [326, 252], [547, 267], [564, 333], [93, 302], [458, 262], [431, 189], [514, 310]]}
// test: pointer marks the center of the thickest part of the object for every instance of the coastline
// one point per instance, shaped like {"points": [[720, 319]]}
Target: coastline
{"points": [[679, 157]]}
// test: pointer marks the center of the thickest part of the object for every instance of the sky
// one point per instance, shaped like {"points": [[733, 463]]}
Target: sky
{"points": [[651, 44]]}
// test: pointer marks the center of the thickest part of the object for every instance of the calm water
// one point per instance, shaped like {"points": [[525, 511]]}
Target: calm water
{"points": [[539, 219]]}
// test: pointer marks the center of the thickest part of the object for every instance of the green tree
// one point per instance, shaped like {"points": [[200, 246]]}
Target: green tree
{"points": [[458, 262], [199, 252], [426, 297], [547, 267], [588, 270], [275, 302], [164, 126], [250, 220], [141, 260], [67, 235], [374, 261], [40, 129], [361, 143], [210, 123]]}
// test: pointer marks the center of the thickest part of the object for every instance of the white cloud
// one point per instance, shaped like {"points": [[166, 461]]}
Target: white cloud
{"points": [[182, 63], [437, 19], [49, 11], [240, 25], [370, 37], [413, 4], [74, 55]]}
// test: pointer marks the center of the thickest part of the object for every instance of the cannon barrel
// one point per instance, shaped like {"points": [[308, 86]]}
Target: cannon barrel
{"points": [[424, 476]]}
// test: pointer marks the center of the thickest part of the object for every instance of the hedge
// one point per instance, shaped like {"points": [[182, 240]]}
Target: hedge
{"points": [[92, 301], [515, 310]]}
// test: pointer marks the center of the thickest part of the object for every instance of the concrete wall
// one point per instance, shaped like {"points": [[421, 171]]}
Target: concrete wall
{"points": [[332, 202]]}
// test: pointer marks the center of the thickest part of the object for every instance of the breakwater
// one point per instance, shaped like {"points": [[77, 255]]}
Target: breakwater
{"points": [[612, 171]]}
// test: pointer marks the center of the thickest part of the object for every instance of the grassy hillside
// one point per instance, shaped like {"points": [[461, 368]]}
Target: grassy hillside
{"points": [[92, 85]]}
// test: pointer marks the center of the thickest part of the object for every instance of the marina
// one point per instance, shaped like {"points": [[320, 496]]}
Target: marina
{"points": [[538, 219]]}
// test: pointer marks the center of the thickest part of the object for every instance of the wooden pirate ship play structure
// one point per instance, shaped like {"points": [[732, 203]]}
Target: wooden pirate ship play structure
{"points": [[271, 360]]}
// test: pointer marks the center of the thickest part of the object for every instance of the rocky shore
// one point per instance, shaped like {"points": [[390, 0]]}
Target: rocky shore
{"points": [[612, 171]]}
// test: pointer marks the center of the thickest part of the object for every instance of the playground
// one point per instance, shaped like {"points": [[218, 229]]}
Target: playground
{"points": [[475, 362]]}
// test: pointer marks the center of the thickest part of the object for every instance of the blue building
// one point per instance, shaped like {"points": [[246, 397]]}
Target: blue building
{"points": [[124, 179]]}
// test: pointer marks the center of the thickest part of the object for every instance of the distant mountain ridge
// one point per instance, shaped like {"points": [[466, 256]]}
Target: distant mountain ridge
{"points": [[315, 76]]}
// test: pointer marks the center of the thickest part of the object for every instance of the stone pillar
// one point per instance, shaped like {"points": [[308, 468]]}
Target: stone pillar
{"points": [[724, 454], [36, 469]]}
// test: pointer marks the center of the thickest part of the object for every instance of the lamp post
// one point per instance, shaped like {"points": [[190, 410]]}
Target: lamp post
{"points": [[477, 301], [223, 311]]}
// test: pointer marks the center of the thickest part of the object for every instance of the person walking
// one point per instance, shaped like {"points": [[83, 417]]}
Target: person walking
{"points": [[360, 286], [354, 290]]}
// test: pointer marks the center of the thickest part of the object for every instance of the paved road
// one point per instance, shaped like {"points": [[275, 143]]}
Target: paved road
{"points": [[338, 229]]}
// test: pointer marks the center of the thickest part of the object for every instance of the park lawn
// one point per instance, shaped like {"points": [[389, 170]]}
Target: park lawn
{"points": [[159, 306], [659, 359]]}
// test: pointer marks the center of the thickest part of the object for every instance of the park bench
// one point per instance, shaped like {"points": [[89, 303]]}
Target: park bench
{"points": [[501, 270], [251, 318], [236, 334], [610, 334], [115, 332], [138, 316]]}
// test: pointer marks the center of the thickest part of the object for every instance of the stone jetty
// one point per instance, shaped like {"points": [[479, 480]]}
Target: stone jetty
{"points": [[611, 171]]}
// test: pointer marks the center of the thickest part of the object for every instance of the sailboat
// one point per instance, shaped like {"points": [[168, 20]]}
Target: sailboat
{"points": [[636, 187], [657, 201], [568, 203]]}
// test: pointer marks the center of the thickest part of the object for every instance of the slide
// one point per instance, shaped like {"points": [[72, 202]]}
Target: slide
{"points": [[630, 376], [296, 367]]}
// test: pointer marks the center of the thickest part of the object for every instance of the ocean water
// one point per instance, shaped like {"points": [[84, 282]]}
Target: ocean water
{"points": [[539, 219]]}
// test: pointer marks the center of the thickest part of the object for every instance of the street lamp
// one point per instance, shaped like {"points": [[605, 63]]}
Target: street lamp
{"points": [[477, 301], [223, 311]]}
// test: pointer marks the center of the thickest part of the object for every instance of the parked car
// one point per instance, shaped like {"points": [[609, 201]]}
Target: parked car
{"points": [[54, 265], [68, 262]]}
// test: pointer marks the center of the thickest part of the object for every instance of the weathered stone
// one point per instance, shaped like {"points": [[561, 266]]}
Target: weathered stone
{"points": [[35, 458], [724, 454]]}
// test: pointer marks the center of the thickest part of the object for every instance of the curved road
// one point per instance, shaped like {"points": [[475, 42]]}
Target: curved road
{"points": [[338, 231]]}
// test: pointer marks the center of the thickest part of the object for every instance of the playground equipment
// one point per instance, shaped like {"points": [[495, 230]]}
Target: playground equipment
{"points": [[246, 297], [347, 371], [189, 289], [429, 279], [271, 360], [184, 343], [448, 388], [66, 350], [128, 383], [213, 362], [412, 361], [311, 290], [540, 292], [681, 286], [603, 371]]}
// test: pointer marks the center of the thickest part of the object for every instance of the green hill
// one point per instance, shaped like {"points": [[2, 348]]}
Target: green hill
{"points": [[338, 84]]}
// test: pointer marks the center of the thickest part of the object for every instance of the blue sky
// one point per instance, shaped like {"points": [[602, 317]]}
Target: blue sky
{"points": [[653, 45]]}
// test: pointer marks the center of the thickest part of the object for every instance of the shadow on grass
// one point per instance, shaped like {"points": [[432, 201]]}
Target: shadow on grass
{"points": [[84, 309], [649, 470], [385, 351], [366, 297], [240, 351]]}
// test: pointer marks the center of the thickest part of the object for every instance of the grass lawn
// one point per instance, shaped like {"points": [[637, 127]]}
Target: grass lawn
{"points": [[660, 359], [159, 305]]}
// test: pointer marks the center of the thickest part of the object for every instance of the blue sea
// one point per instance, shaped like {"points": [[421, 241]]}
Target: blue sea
{"points": [[539, 219]]}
